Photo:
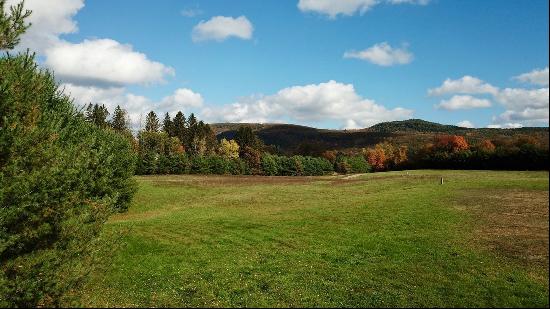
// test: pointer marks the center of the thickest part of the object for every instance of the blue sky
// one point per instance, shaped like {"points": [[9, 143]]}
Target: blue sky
{"points": [[283, 61]]}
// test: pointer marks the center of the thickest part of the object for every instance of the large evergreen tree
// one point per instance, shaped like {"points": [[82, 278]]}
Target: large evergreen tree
{"points": [[245, 137], [191, 131], [119, 122], [12, 24], [167, 125], [152, 122], [179, 127], [60, 179], [97, 114]]}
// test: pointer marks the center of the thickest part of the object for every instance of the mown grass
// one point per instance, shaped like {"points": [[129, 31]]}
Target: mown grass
{"points": [[385, 239]]}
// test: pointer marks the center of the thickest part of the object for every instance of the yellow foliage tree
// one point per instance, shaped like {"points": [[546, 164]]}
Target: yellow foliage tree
{"points": [[229, 148]]}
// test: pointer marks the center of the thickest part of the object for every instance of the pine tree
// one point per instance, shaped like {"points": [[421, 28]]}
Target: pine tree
{"points": [[119, 122], [12, 25], [191, 132], [167, 125], [246, 138], [152, 122], [97, 114], [179, 127]]}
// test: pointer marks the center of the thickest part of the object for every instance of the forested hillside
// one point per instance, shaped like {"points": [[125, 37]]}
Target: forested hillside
{"points": [[295, 139]]}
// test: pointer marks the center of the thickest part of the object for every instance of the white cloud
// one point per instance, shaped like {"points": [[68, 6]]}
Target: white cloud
{"points": [[310, 103], [49, 20], [382, 54], [465, 85], [419, 2], [465, 124], [528, 116], [182, 98], [524, 106], [333, 8], [137, 106], [191, 12], [103, 62], [98, 62], [537, 77], [505, 126], [219, 28], [463, 102], [518, 99]]}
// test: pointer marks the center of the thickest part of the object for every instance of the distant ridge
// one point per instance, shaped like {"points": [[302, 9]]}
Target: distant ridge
{"points": [[291, 138], [417, 125]]}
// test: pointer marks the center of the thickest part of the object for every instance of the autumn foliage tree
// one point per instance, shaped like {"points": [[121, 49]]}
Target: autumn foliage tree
{"points": [[452, 143], [229, 149], [376, 157], [486, 146]]}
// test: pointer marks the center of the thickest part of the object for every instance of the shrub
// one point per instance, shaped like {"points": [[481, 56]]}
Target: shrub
{"points": [[358, 164], [352, 164], [60, 179], [270, 165], [316, 166]]}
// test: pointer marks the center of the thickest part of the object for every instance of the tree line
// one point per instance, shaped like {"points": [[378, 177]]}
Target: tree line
{"points": [[181, 145]]}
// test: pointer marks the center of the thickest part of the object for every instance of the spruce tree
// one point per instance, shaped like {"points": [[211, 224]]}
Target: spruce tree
{"points": [[246, 138], [152, 122], [179, 127], [97, 114], [119, 122], [192, 128], [167, 125]]}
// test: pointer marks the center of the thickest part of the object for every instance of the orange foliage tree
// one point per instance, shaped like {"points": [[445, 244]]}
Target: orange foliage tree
{"points": [[376, 157], [329, 155], [486, 146], [452, 143]]}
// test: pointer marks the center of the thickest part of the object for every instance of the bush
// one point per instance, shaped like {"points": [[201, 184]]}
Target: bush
{"points": [[352, 164], [316, 166], [60, 179], [270, 165]]}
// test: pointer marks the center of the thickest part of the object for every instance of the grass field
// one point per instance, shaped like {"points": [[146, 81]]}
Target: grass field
{"points": [[384, 239]]}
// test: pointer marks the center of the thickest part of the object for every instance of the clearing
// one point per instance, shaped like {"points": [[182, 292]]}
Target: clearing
{"points": [[383, 239]]}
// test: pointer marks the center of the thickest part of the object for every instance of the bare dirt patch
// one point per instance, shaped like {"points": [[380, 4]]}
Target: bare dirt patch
{"points": [[512, 223]]}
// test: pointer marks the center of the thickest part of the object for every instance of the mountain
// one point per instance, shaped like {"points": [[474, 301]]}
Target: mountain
{"points": [[294, 139]]}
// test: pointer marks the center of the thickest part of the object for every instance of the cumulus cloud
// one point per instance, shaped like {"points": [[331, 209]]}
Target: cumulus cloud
{"points": [[465, 85], [49, 20], [103, 62], [382, 54], [137, 106], [518, 98], [465, 124], [536, 77], [463, 102], [334, 8], [529, 114], [182, 98], [524, 106], [505, 126], [99, 62], [310, 103], [219, 28]]}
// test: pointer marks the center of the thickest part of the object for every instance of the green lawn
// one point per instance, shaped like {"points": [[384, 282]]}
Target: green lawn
{"points": [[384, 239]]}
